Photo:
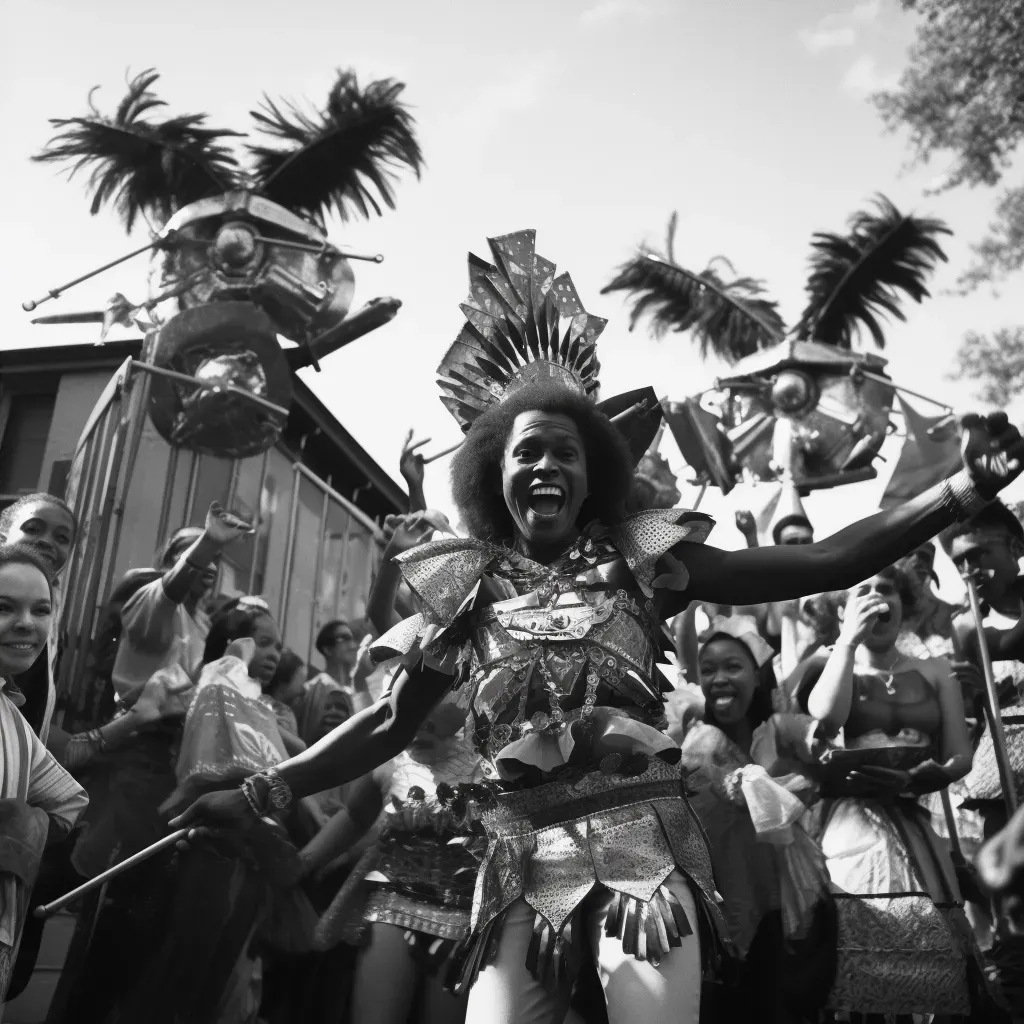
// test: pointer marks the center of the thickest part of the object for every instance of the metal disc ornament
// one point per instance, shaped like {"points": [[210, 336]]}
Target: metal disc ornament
{"points": [[231, 350]]}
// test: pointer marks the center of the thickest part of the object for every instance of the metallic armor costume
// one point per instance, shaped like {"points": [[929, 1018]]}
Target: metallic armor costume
{"points": [[559, 663]]}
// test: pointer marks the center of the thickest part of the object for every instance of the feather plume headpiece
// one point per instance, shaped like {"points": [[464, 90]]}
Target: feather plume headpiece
{"points": [[342, 158], [513, 334], [884, 257]]}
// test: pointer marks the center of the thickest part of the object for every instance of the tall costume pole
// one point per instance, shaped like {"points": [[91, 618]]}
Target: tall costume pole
{"points": [[995, 722]]}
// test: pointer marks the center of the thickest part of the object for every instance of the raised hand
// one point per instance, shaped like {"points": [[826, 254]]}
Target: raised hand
{"points": [[409, 531], [992, 450], [223, 527], [745, 523], [859, 617], [411, 464]]}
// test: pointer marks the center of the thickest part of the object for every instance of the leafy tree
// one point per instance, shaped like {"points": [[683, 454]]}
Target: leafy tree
{"points": [[995, 364], [963, 94]]}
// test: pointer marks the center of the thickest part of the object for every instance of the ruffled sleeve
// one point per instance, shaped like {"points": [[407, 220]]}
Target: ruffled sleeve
{"points": [[645, 537], [444, 576]]}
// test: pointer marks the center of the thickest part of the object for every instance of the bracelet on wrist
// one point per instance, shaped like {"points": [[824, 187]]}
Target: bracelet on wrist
{"points": [[960, 496], [266, 792]]}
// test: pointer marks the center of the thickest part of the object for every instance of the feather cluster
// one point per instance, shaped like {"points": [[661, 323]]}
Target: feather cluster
{"points": [[863, 274], [728, 317], [141, 164], [512, 334], [340, 159]]}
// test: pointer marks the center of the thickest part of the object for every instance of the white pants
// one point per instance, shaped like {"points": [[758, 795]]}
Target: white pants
{"points": [[506, 993]]}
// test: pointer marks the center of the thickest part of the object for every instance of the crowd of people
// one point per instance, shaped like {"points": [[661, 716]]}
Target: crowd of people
{"points": [[575, 765]]}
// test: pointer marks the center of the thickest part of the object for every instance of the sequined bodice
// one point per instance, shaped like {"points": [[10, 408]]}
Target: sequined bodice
{"points": [[914, 704], [549, 644]]}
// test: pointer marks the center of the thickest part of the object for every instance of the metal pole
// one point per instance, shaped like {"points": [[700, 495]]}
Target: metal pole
{"points": [[114, 444], [700, 497], [995, 722], [54, 293], [258, 521], [165, 506], [184, 378], [190, 489], [317, 583], [289, 552], [236, 469], [136, 423], [100, 880]]}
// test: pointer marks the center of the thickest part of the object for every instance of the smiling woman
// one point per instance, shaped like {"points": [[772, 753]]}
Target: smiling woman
{"points": [[38, 799]]}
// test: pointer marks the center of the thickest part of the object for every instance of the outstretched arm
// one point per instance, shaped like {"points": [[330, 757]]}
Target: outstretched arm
{"points": [[992, 452], [361, 744]]}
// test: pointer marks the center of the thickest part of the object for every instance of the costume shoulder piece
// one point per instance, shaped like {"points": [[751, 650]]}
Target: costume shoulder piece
{"points": [[645, 537], [444, 572]]}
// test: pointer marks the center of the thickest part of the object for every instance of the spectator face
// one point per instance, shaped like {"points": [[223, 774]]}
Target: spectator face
{"points": [[991, 554], [728, 678], [267, 638], [344, 646], [48, 530], [337, 711], [796, 533], [25, 614]]}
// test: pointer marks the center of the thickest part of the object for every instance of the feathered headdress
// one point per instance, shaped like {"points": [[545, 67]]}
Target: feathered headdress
{"points": [[525, 325], [513, 331], [340, 158], [885, 256]]}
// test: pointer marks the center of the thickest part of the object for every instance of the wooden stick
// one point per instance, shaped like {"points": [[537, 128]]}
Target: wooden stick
{"points": [[427, 459], [49, 909], [995, 722]]}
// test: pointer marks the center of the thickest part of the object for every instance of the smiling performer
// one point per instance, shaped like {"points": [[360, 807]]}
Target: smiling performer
{"points": [[550, 614]]}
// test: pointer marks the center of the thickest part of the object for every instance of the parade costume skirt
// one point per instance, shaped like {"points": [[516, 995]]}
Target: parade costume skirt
{"points": [[905, 945], [552, 845], [419, 882]]}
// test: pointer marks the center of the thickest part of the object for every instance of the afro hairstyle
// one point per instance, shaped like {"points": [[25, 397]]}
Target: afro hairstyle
{"points": [[476, 472]]}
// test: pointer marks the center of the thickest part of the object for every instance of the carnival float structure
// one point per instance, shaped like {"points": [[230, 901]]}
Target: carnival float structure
{"points": [[240, 259], [800, 405]]}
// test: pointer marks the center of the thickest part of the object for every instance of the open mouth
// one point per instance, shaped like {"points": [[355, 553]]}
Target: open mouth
{"points": [[546, 500], [884, 618], [722, 700]]}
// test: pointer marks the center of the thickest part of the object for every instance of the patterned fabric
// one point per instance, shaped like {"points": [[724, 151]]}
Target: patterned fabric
{"points": [[560, 664], [646, 536], [32, 776], [900, 955], [420, 874], [904, 943]]}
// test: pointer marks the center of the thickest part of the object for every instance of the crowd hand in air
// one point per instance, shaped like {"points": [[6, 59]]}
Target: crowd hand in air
{"points": [[364, 663], [223, 527], [411, 463], [992, 450], [746, 523]]}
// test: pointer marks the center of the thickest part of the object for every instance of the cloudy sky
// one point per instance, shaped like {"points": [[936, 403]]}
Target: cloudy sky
{"points": [[590, 122]]}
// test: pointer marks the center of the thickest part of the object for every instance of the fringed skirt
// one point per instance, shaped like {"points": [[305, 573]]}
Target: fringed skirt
{"points": [[905, 945], [552, 845]]}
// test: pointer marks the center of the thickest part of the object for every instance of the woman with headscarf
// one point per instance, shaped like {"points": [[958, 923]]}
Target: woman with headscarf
{"points": [[749, 769]]}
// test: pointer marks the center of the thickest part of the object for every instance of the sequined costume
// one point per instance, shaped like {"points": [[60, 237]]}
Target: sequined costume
{"points": [[419, 875], [567, 710]]}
